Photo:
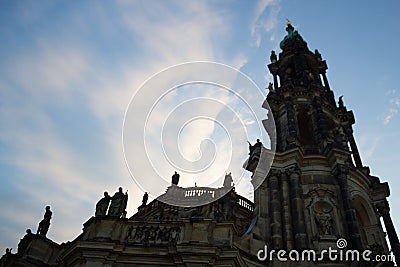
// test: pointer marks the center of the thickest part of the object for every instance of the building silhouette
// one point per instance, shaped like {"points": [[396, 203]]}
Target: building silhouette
{"points": [[316, 193]]}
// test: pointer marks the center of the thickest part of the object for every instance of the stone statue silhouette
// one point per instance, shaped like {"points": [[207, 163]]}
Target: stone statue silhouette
{"points": [[118, 204], [228, 180], [254, 155], [44, 224], [270, 86], [23, 243], [340, 102], [175, 178], [102, 205], [255, 149], [145, 199], [273, 57]]}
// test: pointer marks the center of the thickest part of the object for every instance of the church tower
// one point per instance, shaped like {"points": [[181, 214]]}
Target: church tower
{"points": [[317, 190]]}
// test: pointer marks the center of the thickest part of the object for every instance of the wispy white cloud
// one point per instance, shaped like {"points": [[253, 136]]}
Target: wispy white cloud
{"points": [[395, 101], [367, 145], [389, 117], [171, 38], [190, 150], [393, 110], [390, 92], [264, 21], [51, 172], [178, 38], [51, 69]]}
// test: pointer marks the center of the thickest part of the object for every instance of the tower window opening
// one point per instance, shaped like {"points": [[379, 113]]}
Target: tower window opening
{"points": [[305, 127]]}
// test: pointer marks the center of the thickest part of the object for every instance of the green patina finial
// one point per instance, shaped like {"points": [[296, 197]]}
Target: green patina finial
{"points": [[289, 25], [291, 33]]}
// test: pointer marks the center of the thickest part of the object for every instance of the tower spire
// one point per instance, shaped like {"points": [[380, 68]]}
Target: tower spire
{"points": [[317, 188]]}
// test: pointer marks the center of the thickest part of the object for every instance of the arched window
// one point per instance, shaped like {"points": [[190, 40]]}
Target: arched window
{"points": [[304, 120]]}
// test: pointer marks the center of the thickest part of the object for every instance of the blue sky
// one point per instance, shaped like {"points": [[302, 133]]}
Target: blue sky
{"points": [[68, 70]]}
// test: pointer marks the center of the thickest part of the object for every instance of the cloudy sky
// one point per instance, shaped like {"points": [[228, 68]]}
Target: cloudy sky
{"points": [[69, 70]]}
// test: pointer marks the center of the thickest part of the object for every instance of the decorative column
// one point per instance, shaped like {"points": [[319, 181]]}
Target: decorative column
{"points": [[354, 150], [297, 207], [384, 211], [291, 120], [353, 230], [321, 120], [286, 216], [261, 207], [275, 204]]}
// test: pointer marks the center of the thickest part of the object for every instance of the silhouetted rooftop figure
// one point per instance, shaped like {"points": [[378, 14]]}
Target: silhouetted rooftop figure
{"points": [[44, 224], [175, 178], [102, 205], [145, 199], [270, 86], [340, 102], [228, 180], [255, 149], [118, 203], [23, 243], [318, 54], [254, 155], [273, 57]]}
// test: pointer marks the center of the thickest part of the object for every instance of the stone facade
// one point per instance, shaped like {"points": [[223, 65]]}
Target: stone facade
{"points": [[317, 192], [157, 235]]}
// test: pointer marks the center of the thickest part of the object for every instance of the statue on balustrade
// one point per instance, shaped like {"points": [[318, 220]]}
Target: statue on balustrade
{"points": [[255, 150], [145, 199], [228, 181], [102, 205], [254, 156], [44, 224], [24, 242], [118, 204], [175, 178]]}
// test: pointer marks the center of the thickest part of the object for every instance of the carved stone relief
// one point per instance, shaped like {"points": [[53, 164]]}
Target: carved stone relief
{"points": [[322, 207], [153, 234]]}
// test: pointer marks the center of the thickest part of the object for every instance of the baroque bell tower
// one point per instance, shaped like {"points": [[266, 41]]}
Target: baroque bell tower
{"points": [[317, 190]]}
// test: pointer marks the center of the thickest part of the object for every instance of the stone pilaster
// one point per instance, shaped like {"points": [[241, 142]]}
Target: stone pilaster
{"points": [[262, 207], [354, 150], [292, 128], [353, 230], [286, 215], [321, 120], [384, 211], [276, 209], [297, 207]]}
